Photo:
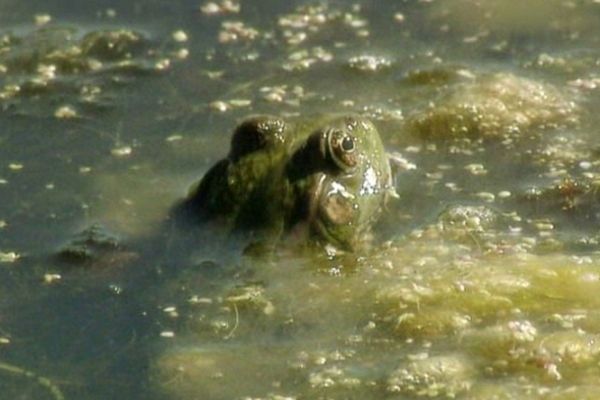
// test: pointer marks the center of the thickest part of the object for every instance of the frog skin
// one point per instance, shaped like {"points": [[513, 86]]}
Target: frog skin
{"points": [[327, 180]]}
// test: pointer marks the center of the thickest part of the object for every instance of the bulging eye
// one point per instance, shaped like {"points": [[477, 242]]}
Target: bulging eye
{"points": [[341, 147], [347, 144]]}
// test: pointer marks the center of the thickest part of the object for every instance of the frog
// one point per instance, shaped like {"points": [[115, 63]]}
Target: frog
{"points": [[326, 180]]}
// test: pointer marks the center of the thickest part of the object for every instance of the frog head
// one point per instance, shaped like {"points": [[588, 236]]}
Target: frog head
{"points": [[341, 178], [328, 177]]}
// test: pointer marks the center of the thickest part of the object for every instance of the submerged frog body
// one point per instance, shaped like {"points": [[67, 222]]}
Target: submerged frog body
{"points": [[327, 180]]}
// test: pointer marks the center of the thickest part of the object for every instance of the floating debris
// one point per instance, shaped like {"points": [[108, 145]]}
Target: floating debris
{"points": [[174, 138], [397, 160], [354, 21], [219, 106], [42, 65], [224, 7], [469, 218], [283, 94], [210, 8], [122, 151], [305, 17], [65, 112], [240, 102], [9, 257], [214, 74], [382, 113], [171, 311], [304, 59], [52, 278], [42, 19], [476, 169], [587, 84], [307, 21], [200, 300], [180, 36], [223, 106], [332, 377], [369, 63], [182, 54], [163, 64], [522, 331], [544, 225], [251, 297], [439, 376], [486, 196], [399, 17], [275, 95], [236, 31], [47, 71]]}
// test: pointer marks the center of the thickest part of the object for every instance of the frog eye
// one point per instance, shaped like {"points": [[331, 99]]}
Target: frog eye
{"points": [[342, 148], [347, 144]]}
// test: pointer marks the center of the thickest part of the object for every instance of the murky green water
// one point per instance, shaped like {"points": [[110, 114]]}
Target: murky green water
{"points": [[484, 280]]}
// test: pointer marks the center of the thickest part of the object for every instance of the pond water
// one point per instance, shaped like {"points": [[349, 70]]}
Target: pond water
{"points": [[483, 280]]}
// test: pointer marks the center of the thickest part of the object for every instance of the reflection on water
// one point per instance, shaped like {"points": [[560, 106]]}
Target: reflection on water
{"points": [[483, 280]]}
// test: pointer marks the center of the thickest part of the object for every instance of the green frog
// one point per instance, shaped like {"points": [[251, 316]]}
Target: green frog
{"points": [[326, 180]]}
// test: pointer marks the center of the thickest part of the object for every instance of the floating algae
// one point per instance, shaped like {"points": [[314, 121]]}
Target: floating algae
{"points": [[495, 105]]}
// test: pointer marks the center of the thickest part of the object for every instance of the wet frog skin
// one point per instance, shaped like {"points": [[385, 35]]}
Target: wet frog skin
{"points": [[326, 180]]}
